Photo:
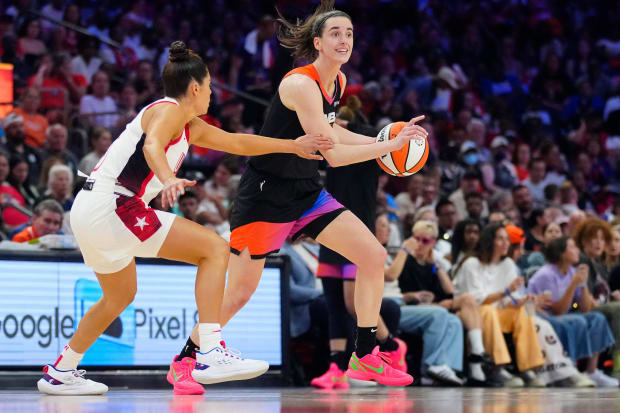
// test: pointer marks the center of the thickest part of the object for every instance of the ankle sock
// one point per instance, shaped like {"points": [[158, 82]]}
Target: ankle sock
{"points": [[210, 336], [365, 341], [475, 341], [189, 350], [68, 359]]}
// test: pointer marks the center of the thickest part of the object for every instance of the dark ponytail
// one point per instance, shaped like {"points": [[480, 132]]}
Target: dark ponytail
{"points": [[300, 36], [183, 66]]}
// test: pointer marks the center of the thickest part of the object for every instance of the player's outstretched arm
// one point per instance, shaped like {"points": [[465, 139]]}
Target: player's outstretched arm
{"points": [[299, 93], [208, 136]]}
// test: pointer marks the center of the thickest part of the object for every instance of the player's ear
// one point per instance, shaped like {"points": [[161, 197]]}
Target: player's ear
{"points": [[317, 42], [194, 88]]}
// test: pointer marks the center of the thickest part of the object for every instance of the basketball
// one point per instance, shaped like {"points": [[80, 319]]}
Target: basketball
{"points": [[404, 161]]}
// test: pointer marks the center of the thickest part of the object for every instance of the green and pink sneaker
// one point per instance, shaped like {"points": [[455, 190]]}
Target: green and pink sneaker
{"points": [[377, 367]]}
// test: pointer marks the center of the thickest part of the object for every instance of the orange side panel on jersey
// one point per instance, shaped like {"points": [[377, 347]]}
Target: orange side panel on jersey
{"points": [[310, 71]]}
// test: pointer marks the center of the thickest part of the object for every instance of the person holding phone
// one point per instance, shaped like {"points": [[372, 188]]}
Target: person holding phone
{"points": [[584, 333]]}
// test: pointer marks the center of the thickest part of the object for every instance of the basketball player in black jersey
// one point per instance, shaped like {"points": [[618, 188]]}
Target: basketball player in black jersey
{"points": [[281, 197]]}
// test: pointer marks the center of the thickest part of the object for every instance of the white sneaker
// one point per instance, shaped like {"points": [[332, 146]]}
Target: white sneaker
{"points": [[68, 382], [444, 374], [224, 364], [603, 380]]}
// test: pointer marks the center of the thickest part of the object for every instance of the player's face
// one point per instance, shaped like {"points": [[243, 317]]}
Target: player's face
{"points": [[336, 42], [204, 94]]}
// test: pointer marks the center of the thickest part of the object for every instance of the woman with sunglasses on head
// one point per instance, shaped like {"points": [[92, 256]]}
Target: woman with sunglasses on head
{"points": [[422, 281], [280, 197]]}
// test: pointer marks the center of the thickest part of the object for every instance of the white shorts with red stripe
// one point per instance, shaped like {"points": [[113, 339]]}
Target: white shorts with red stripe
{"points": [[111, 229]]}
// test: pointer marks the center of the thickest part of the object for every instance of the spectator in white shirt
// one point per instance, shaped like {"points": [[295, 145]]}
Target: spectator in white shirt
{"points": [[87, 62], [99, 102]]}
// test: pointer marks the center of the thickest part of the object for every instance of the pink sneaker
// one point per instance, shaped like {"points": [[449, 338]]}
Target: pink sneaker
{"points": [[398, 356], [333, 378], [377, 367], [180, 376]]}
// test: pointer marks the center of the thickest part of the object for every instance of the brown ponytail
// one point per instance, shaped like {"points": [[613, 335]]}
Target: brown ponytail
{"points": [[300, 36]]}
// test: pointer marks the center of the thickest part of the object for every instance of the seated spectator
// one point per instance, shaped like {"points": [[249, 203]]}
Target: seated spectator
{"points": [[522, 161], [584, 334], [56, 146], [18, 178], [59, 186], [442, 331], [218, 192], [522, 198], [536, 259], [464, 241], [504, 170], [188, 205], [9, 195], [47, 219], [100, 142], [536, 224], [536, 181], [99, 102], [446, 222], [591, 237], [612, 251], [59, 85], [30, 43], [558, 369], [87, 62], [474, 204], [35, 124], [550, 152], [492, 279], [144, 83], [470, 182], [15, 144]]}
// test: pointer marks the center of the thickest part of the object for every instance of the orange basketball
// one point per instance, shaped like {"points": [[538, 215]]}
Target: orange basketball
{"points": [[404, 161]]}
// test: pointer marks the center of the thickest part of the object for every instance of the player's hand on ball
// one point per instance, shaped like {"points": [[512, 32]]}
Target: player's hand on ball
{"points": [[173, 187], [307, 145], [409, 132]]}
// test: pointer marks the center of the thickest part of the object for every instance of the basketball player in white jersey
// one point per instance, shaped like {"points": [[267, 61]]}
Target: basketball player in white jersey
{"points": [[113, 224]]}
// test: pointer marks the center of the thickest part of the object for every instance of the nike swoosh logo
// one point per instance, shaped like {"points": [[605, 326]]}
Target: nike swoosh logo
{"points": [[378, 370], [373, 330], [174, 373]]}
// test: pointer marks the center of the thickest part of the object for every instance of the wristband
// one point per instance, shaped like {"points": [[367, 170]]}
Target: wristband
{"points": [[507, 292], [406, 250]]}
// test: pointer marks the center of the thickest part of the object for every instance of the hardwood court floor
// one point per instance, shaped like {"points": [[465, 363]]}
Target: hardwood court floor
{"points": [[359, 400]]}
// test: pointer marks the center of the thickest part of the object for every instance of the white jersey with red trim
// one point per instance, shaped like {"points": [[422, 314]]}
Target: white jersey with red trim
{"points": [[125, 165]]}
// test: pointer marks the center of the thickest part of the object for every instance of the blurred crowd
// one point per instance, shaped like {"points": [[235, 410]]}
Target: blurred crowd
{"points": [[518, 205]]}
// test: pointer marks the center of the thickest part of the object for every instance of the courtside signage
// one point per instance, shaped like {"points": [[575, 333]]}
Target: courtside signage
{"points": [[42, 302]]}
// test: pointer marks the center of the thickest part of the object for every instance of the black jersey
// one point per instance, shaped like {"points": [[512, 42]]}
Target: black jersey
{"points": [[283, 123]]}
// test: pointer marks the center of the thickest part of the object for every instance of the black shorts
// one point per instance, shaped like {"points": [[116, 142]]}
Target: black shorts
{"points": [[268, 209]]}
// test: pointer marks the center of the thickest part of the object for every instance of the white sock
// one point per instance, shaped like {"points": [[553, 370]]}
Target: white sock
{"points": [[476, 372], [68, 359], [475, 341], [210, 336]]}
